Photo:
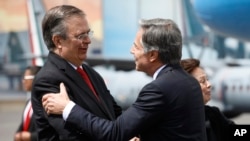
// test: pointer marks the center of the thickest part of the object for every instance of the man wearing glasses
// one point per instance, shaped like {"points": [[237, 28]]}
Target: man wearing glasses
{"points": [[67, 35]]}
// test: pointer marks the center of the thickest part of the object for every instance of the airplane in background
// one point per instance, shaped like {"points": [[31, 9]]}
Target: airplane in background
{"points": [[225, 17], [231, 81]]}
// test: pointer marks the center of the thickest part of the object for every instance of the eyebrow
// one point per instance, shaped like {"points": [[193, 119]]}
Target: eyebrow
{"points": [[84, 32], [203, 77], [88, 30]]}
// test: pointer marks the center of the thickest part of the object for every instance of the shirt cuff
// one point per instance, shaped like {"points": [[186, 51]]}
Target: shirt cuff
{"points": [[67, 109]]}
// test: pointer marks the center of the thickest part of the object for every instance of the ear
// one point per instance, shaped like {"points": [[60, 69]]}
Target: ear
{"points": [[57, 41], [153, 55]]}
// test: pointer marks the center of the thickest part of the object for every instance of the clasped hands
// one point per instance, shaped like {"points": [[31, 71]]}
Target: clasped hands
{"points": [[54, 103]]}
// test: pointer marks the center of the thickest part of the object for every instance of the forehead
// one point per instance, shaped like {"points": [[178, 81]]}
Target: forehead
{"points": [[77, 23], [198, 72], [138, 37], [139, 33], [27, 72]]}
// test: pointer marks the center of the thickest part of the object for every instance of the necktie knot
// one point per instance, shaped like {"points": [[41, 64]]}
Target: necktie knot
{"points": [[82, 72]]}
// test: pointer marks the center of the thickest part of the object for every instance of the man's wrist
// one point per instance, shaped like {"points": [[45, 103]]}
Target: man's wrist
{"points": [[67, 109]]}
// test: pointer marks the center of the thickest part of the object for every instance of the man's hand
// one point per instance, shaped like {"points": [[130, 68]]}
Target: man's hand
{"points": [[135, 139], [54, 103], [22, 136]]}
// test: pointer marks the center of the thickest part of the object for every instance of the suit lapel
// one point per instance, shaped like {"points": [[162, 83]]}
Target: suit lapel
{"points": [[101, 104], [78, 80], [71, 73]]}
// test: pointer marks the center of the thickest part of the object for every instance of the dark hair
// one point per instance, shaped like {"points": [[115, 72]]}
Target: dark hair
{"points": [[190, 64], [33, 69], [164, 36], [54, 22]]}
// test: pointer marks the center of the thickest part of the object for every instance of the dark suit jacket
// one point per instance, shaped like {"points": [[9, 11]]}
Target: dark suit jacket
{"points": [[169, 108], [32, 127], [55, 71], [218, 126]]}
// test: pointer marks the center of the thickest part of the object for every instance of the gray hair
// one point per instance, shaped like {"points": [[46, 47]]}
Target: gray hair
{"points": [[164, 36], [54, 23]]}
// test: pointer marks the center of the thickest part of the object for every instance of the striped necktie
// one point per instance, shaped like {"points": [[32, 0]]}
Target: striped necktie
{"points": [[27, 116]]}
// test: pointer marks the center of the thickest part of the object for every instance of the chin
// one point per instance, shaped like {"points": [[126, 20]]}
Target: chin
{"points": [[138, 69], [83, 57]]}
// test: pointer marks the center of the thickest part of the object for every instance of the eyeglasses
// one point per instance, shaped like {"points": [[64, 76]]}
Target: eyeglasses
{"points": [[28, 77], [85, 35]]}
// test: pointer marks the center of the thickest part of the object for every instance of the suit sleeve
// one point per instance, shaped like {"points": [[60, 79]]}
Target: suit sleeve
{"points": [[141, 115], [52, 127]]}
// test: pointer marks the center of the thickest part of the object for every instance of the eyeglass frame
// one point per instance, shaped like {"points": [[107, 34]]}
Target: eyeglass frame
{"points": [[28, 77], [83, 36]]}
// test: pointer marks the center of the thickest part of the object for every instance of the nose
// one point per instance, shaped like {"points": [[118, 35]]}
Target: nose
{"points": [[132, 50], [208, 84], [87, 40]]}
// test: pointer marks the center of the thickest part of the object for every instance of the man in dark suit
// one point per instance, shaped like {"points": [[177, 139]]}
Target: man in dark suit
{"points": [[170, 108], [67, 35]]}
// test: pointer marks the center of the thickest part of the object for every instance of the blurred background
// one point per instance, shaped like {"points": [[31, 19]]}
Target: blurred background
{"points": [[214, 31]]}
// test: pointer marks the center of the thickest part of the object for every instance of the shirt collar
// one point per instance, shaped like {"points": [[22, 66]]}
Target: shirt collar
{"points": [[157, 72], [75, 67]]}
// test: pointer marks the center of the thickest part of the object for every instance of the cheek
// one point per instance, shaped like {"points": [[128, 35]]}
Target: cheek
{"points": [[69, 52], [203, 88], [28, 85], [142, 64], [140, 59], [140, 56]]}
